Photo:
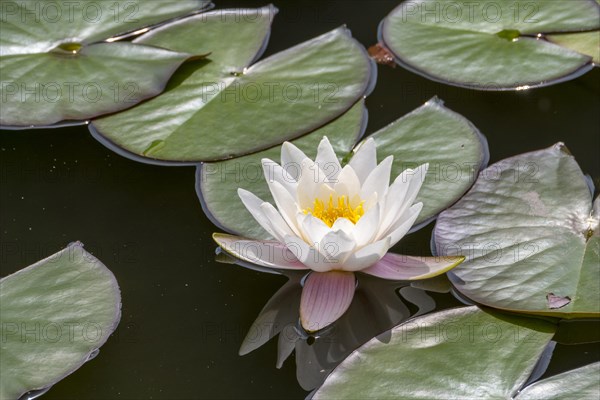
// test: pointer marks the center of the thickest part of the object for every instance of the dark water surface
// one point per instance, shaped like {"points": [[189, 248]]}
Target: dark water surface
{"points": [[185, 315]]}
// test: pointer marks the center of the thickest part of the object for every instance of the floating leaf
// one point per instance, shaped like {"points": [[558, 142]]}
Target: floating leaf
{"points": [[489, 44], [580, 383], [226, 109], [530, 236], [76, 76], [585, 43], [464, 352], [217, 183], [54, 314], [452, 146]]}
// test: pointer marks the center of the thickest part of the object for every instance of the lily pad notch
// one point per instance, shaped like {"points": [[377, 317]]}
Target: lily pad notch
{"points": [[250, 106], [494, 45], [82, 70], [454, 148]]}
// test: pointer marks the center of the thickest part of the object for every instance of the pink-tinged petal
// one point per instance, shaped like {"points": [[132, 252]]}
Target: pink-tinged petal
{"points": [[367, 256], [367, 226], [404, 224], [307, 255], [378, 180], [348, 185], [398, 267], [291, 159], [278, 225], [266, 253], [285, 204], [253, 204], [274, 172], [336, 247], [364, 160], [327, 160], [325, 298]]}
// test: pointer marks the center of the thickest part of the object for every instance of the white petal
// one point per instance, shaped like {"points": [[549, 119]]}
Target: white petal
{"points": [[309, 184], [367, 256], [364, 159], [343, 224], [307, 255], [291, 159], [336, 247], [253, 204], [278, 225], [367, 226], [403, 225], [314, 229], [267, 253], [275, 173], [348, 184], [286, 204], [402, 194], [378, 180], [327, 160], [325, 298]]}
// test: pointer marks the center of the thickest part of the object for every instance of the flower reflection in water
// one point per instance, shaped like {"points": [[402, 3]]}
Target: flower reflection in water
{"points": [[378, 305]]}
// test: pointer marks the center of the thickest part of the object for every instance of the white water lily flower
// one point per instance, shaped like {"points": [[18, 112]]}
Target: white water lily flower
{"points": [[335, 221]]}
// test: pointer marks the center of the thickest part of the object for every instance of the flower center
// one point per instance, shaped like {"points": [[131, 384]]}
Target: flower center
{"points": [[330, 212]]}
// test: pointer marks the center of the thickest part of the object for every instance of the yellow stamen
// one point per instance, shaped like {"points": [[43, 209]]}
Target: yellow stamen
{"points": [[329, 212]]}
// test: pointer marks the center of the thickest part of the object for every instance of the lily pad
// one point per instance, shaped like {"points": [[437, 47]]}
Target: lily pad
{"points": [[580, 383], [226, 108], [584, 42], [54, 314], [489, 44], [55, 67], [455, 150], [453, 147], [530, 235], [466, 353], [217, 183]]}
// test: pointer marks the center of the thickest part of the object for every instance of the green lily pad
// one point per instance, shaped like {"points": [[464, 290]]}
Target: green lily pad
{"points": [[455, 150], [453, 147], [55, 67], [489, 44], [463, 353], [54, 315], [580, 383], [530, 235], [585, 43], [226, 108], [217, 183]]}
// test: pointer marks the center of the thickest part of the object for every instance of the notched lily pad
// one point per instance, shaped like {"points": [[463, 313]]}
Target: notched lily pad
{"points": [[77, 76], [453, 147], [493, 45], [229, 107], [530, 234], [54, 316]]}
